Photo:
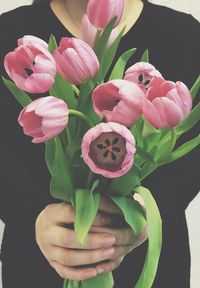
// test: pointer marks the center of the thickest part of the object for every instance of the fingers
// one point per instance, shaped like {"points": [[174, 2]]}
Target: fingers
{"points": [[79, 257], [108, 266], [77, 274], [67, 238]]}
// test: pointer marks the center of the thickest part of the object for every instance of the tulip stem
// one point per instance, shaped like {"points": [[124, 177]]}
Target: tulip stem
{"points": [[68, 135], [98, 34], [89, 180], [173, 138], [75, 89], [79, 114]]}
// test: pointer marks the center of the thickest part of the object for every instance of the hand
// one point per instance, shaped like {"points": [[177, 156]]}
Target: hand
{"points": [[103, 251]]}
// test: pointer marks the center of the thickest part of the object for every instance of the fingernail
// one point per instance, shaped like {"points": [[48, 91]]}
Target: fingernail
{"points": [[108, 241], [108, 253], [91, 273]]}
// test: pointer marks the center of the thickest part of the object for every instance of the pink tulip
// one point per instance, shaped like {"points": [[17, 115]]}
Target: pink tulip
{"points": [[118, 101], [167, 103], [76, 61], [44, 118], [31, 66], [29, 39], [88, 33], [141, 73], [108, 149], [101, 12]]}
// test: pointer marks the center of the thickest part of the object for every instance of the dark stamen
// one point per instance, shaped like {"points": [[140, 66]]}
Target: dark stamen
{"points": [[115, 141], [141, 78], [147, 82], [107, 141], [105, 154], [116, 149], [29, 71], [113, 156], [101, 146]]}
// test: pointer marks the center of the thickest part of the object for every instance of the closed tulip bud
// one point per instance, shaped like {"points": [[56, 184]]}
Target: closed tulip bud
{"points": [[108, 149], [118, 101], [101, 12], [31, 66], [44, 118], [76, 60], [88, 33], [166, 103], [142, 74]]}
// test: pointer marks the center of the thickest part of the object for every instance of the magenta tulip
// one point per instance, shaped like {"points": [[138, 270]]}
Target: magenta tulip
{"points": [[101, 12], [31, 66], [166, 103], [108, 149], [118, 101], [44, 118], [141, 73], [76, 61], [88, 33]]}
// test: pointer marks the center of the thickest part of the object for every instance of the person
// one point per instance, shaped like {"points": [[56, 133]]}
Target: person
{"points": [[33, 218]]}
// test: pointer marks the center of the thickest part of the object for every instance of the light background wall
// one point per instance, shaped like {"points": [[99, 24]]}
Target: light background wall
{"points": [[193, 211]]}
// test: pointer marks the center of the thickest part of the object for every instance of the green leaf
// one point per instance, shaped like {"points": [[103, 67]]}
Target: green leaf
{"points": [[125, 184], [133, 212], [52, 44], [20, 96], [154, 224], [50, 150], [108, 57], [102, 42], [86, 206], [63, 90], [62, 182], [195, 88], [145, 56], [181, 151], [144, 154], [100, 281], [136, 130], [118, 70]]}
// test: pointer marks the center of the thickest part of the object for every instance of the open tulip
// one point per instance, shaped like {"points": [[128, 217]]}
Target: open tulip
{"points": [[108, 149], [29, 39], [31, 66], [118, 101], [101, 12], [44, 118], [142, 73], [76, 60], [166, 103], [88, 32]]}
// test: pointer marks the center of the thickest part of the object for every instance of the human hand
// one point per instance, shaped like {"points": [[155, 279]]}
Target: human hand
{"points": [[103, 251]]}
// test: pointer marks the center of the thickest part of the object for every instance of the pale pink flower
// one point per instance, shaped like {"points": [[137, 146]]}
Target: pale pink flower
{"points": [[101, 12], [88, 33], [108, 149], [31, 66], [118, 101], [166, 103], [29, 39], [44, 118], [76, 60], [142, 73]]}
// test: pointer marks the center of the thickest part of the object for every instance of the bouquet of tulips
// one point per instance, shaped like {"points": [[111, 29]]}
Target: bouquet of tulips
{"points": [[102, 137]]}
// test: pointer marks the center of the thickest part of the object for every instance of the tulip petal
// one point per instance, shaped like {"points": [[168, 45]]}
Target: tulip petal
{"points": [[39, 83]]}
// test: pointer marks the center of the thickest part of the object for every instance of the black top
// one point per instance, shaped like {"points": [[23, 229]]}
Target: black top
{"points": [[173, 40]]}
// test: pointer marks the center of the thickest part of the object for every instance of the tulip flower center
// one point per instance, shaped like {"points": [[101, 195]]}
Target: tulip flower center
{"points": [[108, 151], [29, 71], [144, 79]]}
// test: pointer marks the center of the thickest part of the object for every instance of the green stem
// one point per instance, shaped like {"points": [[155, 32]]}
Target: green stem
{"points": [[173, 138], [75, 89], [68, 135], [90, 179], [79, 114], [98, 34], [66, 282]]}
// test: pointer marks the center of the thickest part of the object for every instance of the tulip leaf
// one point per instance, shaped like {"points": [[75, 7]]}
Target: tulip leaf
{"points": [[195, 88], [86, 206], [103, 40], [62, 89], [22, 97], [108, 57], [124, 185], [62, 182], [133, 212], [154, 224], [181, 151], [144, 154], [50, 154], [52, 44], [103, 280], [118, 70], [145, 56]]}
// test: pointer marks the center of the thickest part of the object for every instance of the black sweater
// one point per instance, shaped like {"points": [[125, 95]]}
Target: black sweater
{"points": [[173, 39]]}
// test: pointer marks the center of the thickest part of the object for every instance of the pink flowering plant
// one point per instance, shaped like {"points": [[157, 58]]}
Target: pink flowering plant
{"points": [[114, 133]]}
